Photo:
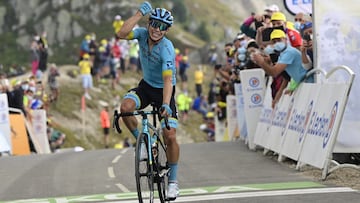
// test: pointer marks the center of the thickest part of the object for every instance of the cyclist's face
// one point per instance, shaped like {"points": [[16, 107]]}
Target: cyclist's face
{"points": [[157, 30]]}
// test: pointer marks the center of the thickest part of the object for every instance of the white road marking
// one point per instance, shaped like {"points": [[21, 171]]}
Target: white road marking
{"points": [[197, 198], [111, 172], [116, 159], [122, 187], [124, 150]]}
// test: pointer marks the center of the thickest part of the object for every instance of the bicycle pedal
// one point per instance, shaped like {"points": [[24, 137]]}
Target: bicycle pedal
{"points": [[164, 172]]}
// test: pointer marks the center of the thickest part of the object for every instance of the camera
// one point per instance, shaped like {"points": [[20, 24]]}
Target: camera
{"points": [[218, 66]]}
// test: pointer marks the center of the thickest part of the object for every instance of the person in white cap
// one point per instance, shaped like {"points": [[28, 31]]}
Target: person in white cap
{"points": [[117, 24]]}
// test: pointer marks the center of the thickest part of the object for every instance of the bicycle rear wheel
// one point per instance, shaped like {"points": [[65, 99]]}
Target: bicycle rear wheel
{"points": [[162, 172], [143, 171]]}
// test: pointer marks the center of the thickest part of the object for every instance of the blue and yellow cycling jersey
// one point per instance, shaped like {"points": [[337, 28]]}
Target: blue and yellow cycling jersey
{"points": [[156, 62]]}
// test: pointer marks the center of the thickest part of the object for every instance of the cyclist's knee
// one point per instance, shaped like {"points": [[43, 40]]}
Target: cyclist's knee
{"points": [[170, 136], [128, 105]]}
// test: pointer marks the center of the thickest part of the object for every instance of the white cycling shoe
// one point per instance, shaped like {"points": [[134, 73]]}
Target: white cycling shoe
{"points": [[173, 191]]}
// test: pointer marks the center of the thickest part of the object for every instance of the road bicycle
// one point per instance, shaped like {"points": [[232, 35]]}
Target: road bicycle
{"points": [[151, 168]]}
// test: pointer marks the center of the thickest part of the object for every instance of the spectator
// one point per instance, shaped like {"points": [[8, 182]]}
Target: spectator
{"points": [[261, 21], [134, 55], [178, 58], [183, 101], [56, 138], [200, 105], [85, 71], [209, 126], [43, 55], [289, 63], [199, 79], [105, 122], [53, 84], [85, 46], [183, 66], [35, 57], [117, 24]]}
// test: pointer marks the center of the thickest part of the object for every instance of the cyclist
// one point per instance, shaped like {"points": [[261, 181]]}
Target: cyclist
{"points": [[157, 57]]}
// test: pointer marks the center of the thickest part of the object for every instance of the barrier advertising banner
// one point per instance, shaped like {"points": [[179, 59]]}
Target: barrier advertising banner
{"points": [[281, 116], [299, 118], [39, 126], [19, 138], [263, 127], [253, 88], [337, 27], [5, 139], [240, 114], [323, 123], [231, 117]]}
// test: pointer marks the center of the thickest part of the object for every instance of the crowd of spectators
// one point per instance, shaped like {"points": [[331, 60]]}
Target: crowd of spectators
{"points": [[281, 47]]}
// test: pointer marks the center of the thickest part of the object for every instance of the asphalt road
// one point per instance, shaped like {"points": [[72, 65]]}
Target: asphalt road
{"points": [[208, 172]]}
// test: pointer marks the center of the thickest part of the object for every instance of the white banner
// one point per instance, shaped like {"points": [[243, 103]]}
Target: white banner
{"points": [[305, 99], [323, 124], [39, 126], [281, 116], [240, 114], [253, 86], [231, 117], [263, 127], [337, 37], [5, 133]]}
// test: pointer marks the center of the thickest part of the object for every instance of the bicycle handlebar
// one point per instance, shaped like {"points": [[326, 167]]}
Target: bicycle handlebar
{"points": [[136, 113]]}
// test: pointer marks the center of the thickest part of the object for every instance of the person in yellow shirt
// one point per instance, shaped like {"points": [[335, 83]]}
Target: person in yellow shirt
{"points": [[199, 79], [85, 71], [117, 24], [183, 101]]}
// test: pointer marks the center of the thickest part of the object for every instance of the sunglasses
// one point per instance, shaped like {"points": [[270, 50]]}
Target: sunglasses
{"points": [[158, 24], [298, 19]]}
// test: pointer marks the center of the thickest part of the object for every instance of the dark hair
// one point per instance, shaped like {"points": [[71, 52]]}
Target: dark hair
{"points": [[218, 66]]}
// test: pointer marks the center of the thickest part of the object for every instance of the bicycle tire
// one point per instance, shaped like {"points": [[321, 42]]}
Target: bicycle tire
{"points": [[161, 179], [143, 172]]}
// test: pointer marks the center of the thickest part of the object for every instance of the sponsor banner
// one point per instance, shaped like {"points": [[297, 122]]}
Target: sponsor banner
{"points": [[337, 43], [305, 99], [221, 133], [253, 88], [231, 117], [240, 114], [323, 124], [39, 127], [19, 138], [263, 127], [5, 139], [280, 118]]}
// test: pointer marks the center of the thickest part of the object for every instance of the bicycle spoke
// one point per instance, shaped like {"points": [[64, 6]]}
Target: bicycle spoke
{"points": [[143, 172]]}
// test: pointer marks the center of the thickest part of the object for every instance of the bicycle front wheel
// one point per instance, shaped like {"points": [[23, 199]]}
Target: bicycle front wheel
{"points": [[143, 171], [162, 171]]}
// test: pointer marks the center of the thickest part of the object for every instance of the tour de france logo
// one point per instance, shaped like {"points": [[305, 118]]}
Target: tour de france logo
{"points": [[256, 98], [254, 82], [330, 124]]}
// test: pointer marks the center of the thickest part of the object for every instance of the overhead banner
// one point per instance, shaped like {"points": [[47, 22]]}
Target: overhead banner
{"points": [[5, 139], [337, 37], [297, 6]]}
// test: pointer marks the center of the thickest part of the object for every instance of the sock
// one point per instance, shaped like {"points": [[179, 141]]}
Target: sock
{"points": [[173, 172], [135, 132]]}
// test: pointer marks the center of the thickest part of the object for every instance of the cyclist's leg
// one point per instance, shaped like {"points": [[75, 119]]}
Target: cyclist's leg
{"points": [[173, 151], [134, 99]]}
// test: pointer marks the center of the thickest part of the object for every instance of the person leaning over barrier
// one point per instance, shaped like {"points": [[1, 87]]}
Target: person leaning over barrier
{"points": [[289, 62], [157, 57]]}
